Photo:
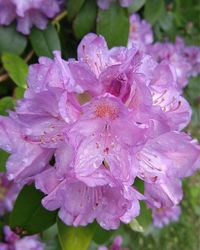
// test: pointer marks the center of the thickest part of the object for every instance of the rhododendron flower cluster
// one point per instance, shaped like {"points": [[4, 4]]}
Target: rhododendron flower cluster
{"points": [[12, 241], [105, 4], [184, 59], [87, 128], [28, 13], [140, 33], [8, 194]]}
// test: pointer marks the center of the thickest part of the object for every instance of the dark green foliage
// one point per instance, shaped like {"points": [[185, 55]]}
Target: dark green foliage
{"points": [[11, 41], [44, 42], [28, 215], [113, 24]]}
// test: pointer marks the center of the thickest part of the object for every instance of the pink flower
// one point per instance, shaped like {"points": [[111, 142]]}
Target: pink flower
{"points": [[80, 204], [28, 13], [164, 215], [140, 33], [86, 128], [115, 246], [185, 60], [8, 194], [13, 242], [26, 159], [105, 4], [169, 52]]}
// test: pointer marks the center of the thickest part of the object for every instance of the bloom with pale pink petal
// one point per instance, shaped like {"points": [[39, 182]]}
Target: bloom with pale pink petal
{"points": [[105, 4], [80, 204], [184, 59], [13, 242], [140, 33], [164, 215], [8, 194], [87, 128], [168, 51], [28, 13], [116, 244]]}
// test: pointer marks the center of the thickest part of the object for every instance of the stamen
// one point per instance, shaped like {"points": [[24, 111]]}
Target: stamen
{"points": [[106, 110], [105, 164]]}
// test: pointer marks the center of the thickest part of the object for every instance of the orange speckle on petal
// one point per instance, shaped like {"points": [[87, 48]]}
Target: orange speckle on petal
{"points": [[106, 110]]}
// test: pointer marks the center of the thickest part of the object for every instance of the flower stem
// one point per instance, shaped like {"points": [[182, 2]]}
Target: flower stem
{"points": [[58, 18]]}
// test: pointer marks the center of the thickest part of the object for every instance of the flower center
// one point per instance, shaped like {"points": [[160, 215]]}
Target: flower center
{"points": [[106, 110]]}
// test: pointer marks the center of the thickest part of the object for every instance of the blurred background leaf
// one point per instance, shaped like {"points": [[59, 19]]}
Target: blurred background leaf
{"points": [[85, 19], [73, 7], [28, 215], [11, 40], [113, 24], [136, 5], [44, 42], [16, 68], [78, 238], [153, 10]]}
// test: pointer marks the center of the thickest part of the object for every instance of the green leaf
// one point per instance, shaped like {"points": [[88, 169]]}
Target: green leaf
{"points": [[73, 7], [166, 20], [101, 235], [28, 215], [19, 92], [193, 90], [194, 126], [113, 24], [145, 218], [158, 32], [52, 244], [44, 42], [153, 10], [3, 159], [139, 184], [72, 238], [4, 220], [6, 103], [135, 226], [16, 68], [11, 41], [136, 5], [85, 19]]}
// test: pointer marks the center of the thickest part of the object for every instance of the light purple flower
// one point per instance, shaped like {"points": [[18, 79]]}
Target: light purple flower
{"points": [[8, 194], [26, 159], [105, 4], [13, 241], [100, 121], [185, 59], [165, 192], [28, 13], [116, 244], [80, 204], [164, 215], [192, 55], [140, 33], [168, 51]]}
